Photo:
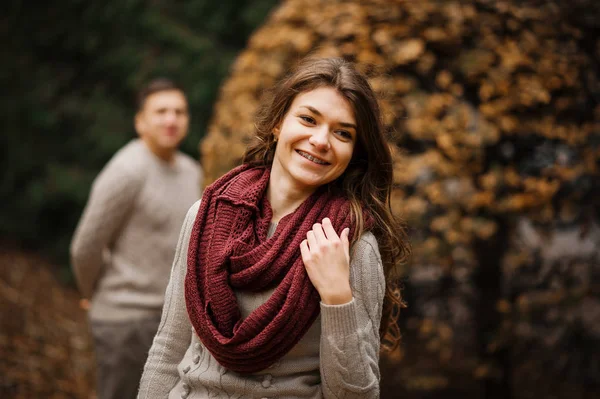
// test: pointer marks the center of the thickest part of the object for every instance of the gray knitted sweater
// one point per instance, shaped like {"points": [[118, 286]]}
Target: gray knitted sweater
{"points": [[126, 237], [337, 358]]}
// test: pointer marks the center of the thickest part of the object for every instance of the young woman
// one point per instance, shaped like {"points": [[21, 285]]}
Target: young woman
{"points": [[278, 287]]}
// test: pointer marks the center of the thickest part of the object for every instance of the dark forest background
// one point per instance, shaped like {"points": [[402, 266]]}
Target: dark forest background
{"points": [[69, 76]]}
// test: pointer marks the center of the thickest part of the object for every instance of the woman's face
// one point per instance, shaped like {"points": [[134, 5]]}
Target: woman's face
{"points": [[316, 139]]}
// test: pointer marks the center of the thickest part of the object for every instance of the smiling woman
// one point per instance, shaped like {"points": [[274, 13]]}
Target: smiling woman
{"points": [[280, 286], [313, 147]]}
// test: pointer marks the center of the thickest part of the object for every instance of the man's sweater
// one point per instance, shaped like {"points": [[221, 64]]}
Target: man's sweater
{"points": [[337, 358], [125, 241]]}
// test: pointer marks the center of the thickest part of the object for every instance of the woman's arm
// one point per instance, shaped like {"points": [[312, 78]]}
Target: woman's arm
{"points": [[174, 333], [349, 349]]}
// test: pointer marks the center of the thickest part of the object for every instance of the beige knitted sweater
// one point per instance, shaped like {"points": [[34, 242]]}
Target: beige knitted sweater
{"points": [[337, 358], [126, 237]]}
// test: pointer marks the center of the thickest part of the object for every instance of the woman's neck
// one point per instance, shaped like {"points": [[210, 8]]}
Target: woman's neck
{"points": [[283, 196]]}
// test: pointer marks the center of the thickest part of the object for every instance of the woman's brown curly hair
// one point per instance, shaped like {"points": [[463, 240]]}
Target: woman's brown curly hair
{"points": [[367, 181]]}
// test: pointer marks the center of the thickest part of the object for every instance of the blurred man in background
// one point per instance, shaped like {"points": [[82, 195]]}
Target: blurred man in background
{"points": [[125, 241]]}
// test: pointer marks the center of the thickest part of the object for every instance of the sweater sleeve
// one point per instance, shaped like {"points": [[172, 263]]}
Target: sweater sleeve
{"points": [[349, 349], [175, 330], [111, 199]]}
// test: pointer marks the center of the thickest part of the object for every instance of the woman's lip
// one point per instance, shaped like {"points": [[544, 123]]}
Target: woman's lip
{"points": [[306, 152]]}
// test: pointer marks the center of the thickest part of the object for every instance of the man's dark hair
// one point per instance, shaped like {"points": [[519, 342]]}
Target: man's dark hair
{"points": [[155, 86]]}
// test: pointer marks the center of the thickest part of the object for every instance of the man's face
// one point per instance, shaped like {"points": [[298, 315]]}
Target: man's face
{"points": [[163, 121]]}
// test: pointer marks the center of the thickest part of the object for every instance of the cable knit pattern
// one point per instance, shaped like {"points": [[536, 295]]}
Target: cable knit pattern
{"points": [[346, 335], [127, 234], [337, 358]]}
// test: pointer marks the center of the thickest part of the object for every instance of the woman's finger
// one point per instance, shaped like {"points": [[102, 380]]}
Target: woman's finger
{"points": [[319, 234], [346, 242], [329, 230], [311, 240], [304, 251]]}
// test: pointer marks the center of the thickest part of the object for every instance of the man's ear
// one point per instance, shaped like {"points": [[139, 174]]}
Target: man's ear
{"points": [[138, 123]]}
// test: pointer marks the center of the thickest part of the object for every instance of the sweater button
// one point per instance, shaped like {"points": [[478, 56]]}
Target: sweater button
{"points": [[186, 369], [186, 391], [197, 346], [196, 359], [267, 381]]}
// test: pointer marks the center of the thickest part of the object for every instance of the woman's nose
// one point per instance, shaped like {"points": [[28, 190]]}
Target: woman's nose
{"points": [[320, 139]]}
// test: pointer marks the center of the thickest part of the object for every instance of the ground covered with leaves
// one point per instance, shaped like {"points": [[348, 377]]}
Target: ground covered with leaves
{"points": [[45, 346]]}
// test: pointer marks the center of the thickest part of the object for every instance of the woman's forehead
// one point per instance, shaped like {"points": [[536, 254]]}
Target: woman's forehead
{"points": [[326, 101]]}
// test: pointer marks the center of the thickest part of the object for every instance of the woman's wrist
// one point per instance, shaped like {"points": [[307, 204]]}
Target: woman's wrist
{"points": [[337, 297]]}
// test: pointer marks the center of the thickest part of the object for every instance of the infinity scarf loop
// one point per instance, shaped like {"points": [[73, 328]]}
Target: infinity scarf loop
{"points": [[229, 250]]}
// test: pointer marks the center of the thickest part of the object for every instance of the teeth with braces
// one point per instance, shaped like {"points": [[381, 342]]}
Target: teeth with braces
{"points": [[311, 158]]}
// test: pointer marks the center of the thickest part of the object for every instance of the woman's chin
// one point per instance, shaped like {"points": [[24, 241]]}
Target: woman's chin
{"points": [[310, 181]]}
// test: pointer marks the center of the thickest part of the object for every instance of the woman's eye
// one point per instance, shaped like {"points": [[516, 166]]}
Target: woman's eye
{"points": [[307, 119], [346, 135]]}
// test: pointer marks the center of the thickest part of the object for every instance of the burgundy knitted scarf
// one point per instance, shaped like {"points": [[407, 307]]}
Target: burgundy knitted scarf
{"points": [[229, 250]]}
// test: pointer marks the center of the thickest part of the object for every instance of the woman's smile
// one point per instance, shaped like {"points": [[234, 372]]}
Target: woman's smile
{"points": [[312, 158]]}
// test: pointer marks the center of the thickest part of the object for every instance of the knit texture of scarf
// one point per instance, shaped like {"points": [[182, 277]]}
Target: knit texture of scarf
{"points": [[229, 250]]}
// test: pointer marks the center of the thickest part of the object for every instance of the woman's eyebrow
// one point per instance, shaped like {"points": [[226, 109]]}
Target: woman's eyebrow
{"points": [[316, 112]]}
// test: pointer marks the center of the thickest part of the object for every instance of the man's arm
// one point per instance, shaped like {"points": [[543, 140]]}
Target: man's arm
{"points": [[111, 199]]}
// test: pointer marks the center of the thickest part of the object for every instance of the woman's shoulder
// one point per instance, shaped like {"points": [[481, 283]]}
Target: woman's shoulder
{"points": [[190, 217], [193, 211], [365, 253], [367, 242], [366, 271]]}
